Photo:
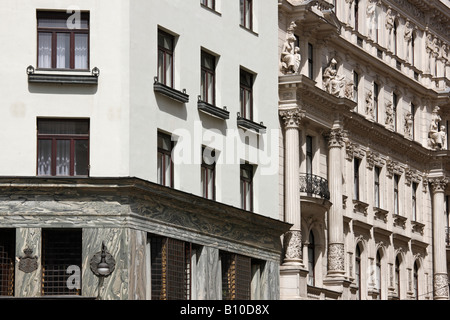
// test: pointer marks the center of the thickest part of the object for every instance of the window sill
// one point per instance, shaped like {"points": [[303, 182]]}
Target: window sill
{"points": [[249, 30], [63, 78], [169, 92], [211, 10], [213, 110], [249, 124], [399, 221]]}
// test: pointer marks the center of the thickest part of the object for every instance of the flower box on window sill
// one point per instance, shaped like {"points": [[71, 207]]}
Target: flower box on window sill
{"points": [[213, 110], [249, 124], [180, 96], [63, 78]]}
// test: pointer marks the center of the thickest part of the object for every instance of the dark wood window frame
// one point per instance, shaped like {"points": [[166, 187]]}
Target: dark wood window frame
{"points": [[163, 155], [167, 53], [377, 191], [247, 182], [309, 154], [210, 4], [356, 180], [246, 94], [208, 74], [396, 180], [310, 61], [54, 138], [236, 276], [376, 96], [246, 20], [208, 169], [60, 15]]}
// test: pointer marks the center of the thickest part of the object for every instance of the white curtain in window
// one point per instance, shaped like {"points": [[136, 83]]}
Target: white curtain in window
{"points": [[44, 157], [81, 51], [63, 158], [45, 50], [63, 50]]}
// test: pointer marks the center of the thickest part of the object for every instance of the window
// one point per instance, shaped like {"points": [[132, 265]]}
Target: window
{"points": [[63, 147], [165, 164], [358, 271], [378, 274], [165, 58], [396, 194], [394, 114], [208, 175], [311, 259], [397, 276], [355, 86], [246, 95], [395, 36], [236, 276], [309, 154], [246, 10], [247, 187], [310, 61], [63, 40], [208, 75], [356, 14], [416, 281], [376, 93], [61, 249], [209, 3], [356, 163], [414, 201], [7, 258], [377, 187], [413, 56], [413, 113], [170, 269]]}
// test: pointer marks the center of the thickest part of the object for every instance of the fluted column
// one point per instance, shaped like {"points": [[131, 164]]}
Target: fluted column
{"points": [[440, 279], [292, 210], [335, 217]]}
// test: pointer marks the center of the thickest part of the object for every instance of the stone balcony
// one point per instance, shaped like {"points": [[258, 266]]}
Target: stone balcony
{"points": [[314, 186]]}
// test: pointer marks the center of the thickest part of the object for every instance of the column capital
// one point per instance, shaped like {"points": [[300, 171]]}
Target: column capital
{"points": [[292, 117], [336, 138], [438, 184]]}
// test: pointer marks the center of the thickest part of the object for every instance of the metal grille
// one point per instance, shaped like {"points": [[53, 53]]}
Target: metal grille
{"points": [[7, 253], [171, 269], [236, 276], [60, 250]]}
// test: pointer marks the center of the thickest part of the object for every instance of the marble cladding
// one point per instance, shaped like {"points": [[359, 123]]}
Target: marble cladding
{"points": [[123, 224]]}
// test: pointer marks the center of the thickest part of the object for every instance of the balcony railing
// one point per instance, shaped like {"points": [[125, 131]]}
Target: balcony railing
{"points": [[314, 185]]}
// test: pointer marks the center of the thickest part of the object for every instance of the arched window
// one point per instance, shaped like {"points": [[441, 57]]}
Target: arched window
{"points": [[358, 271], [311, 259], [416, 281], [378, 273], [397, 276]]}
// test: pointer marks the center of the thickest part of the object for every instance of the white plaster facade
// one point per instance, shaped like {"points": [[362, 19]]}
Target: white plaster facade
{"points": [[344, 142]]}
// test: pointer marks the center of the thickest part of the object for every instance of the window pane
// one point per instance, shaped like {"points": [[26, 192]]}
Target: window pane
{"points": [[52, 23], [63, 50], [62, 126], [161, 77], [81, 160], [81, 51], [242, 12], [248, 13], [210, 88], [45, 50], [168, 70], [63, 157], [44, 157], [167, 170]]}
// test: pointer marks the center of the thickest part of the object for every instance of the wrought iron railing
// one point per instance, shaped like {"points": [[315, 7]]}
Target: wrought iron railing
{"points": [[314, 185]]}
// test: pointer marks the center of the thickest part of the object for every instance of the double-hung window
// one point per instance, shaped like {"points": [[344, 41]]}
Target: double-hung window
{"points": [[396, 194], [165, 164], [208, 75], [247, 187], [356, 163], [63, 40], [246, 94], [208, 175], [63, 147], [246, 11], [414, 201], [165, 58]]}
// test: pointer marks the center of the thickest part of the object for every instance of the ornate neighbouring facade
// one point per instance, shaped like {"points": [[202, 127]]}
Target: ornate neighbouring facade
{"points": [[364, 109]]}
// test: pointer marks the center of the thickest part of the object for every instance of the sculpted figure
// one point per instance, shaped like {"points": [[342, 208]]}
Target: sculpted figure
{"points": [[408, 124], [371, 17], [332, 82], [389, 121], [436, 136], [369, 105], [290, 54]]}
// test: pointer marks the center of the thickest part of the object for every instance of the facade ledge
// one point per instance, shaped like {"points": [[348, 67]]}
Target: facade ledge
{"points": [[180, 96], [249, 124], [213, 110], [60, 77], [399, 221], [360, 207], [380, 214], [417, 227], [382, 231]]}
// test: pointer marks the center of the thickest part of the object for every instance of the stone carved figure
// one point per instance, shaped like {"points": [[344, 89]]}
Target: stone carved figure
{"points": [[369, 105], [408, 37], [408, 124], [349, 11], [290, 54], [389, 121], [429, 47], [436, 137], [332, 82], [389, 26], [371, 17]]}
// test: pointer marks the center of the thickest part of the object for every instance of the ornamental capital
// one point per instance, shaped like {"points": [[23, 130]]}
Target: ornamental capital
{"points": [[336, 138], [292, 117], [438, 184]]}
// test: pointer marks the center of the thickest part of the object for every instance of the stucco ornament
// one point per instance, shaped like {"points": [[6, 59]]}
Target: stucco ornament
{"points": [[28, 263], [332, 82], [290, 54], [293, 245], [336, 257], [441, 285]]}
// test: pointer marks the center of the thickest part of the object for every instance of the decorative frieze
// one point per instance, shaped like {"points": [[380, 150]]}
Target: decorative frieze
{"points": [[438, 184], [336, 257], [412, 175], [441, 286], [292, 117], [293, 246], [393, 167], [336, 138]]}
